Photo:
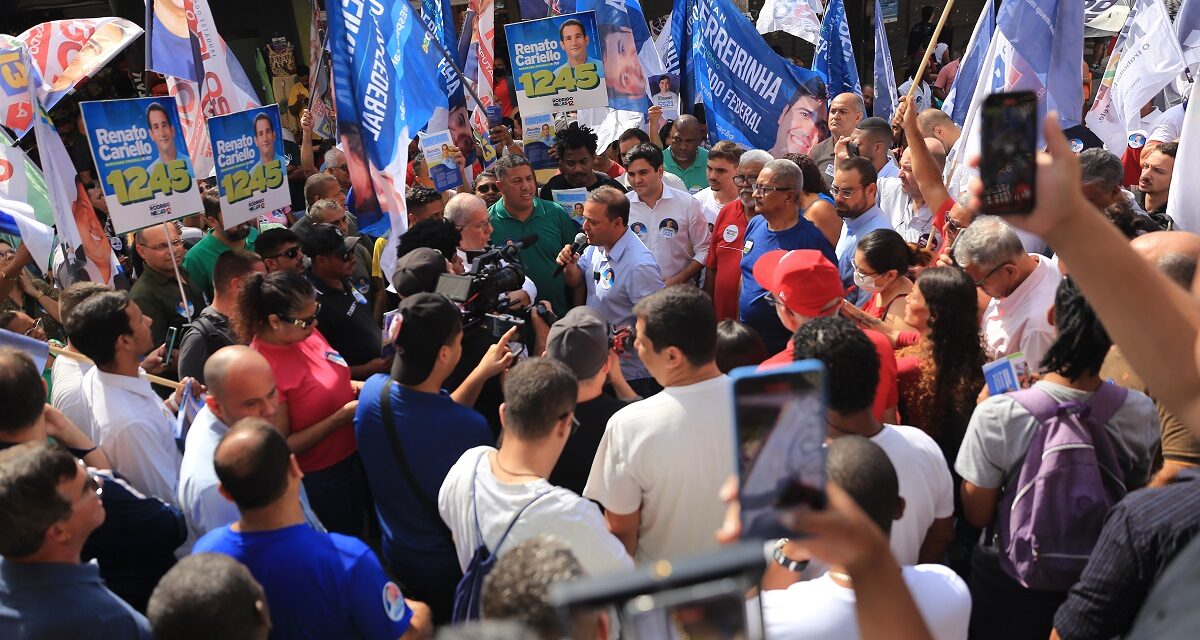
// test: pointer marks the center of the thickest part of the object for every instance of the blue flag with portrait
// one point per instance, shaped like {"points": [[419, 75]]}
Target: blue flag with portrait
{"points": [[751, 95], [624, 73], [834, 58]]}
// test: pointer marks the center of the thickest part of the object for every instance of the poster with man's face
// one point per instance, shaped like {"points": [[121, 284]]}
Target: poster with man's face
{"points": [[251, 166], [142, 162], [556, 63]]}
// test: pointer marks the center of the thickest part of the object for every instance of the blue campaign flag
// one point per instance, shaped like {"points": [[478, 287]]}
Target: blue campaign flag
{"points": [[438, 18], [624, 74], [834, 58], [1039, 48], [384, 93], [1187, 27], [958, 100], [885, 76], [37, 350]]}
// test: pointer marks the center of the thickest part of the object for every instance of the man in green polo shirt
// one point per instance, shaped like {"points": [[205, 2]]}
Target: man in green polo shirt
{"points": [[685, 157], [520, 213], [202, 258], [156, 292]]}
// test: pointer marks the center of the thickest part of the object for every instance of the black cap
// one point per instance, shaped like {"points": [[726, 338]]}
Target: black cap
{"points": [[428, 320], [418, 271], [325, 239], [580, 341]]}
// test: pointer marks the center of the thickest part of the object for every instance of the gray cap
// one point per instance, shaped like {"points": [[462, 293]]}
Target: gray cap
{"points": [[579, 340]]}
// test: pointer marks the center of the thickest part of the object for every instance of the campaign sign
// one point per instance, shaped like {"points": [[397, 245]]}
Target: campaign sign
{"points": [[538, 138], [556, 63], [572, 201], [251, 166], [141, 161], [443, 170]]}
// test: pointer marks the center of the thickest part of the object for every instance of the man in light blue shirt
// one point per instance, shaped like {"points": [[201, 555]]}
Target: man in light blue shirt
{"points": [[574, 42], [162, 133], [855, 198], [240, 385], [616, 270]]}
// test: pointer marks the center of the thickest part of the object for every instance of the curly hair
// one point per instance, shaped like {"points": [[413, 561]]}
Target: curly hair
{"points": [[951, 356], [1081, 343], [575, 136], [814, 182]]}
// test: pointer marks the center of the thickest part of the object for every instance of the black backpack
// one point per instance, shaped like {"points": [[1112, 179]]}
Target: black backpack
{"points": [[468, 595]]}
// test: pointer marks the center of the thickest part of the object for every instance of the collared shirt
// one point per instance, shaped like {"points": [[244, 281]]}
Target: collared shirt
{"points": [[1019, 322], [897, 205], [559, 181], [202, 258], [66, 392], [346, 321], [669, 179], [617, 280], [852, 230], [555, 229], [674, 230], [890, 169], [695, 177], [50, 600], [135, 431], [157, 295]]}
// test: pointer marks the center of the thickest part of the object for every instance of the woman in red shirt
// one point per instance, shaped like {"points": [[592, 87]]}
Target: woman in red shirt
{"points": [[278, 313]]}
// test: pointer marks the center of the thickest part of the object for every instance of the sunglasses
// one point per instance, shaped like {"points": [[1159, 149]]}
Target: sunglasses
{"points": [[303, 323], [487, 188], [290, 254]]}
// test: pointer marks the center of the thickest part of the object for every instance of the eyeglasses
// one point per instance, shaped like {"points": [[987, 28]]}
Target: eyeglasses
{"points": [[177, 243], [36, 325], [952, 226], [743, 181], [335, 166], [865, 274], [845, 193], [290, 254], [765, 189], [982, 281], [488, 188], [8, 253], [771, 299], [303, 323]]}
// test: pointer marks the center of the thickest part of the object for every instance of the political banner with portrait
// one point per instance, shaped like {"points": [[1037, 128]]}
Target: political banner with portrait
{"points": [[556, 64], [537, 137], [751, 95], [142, 162], [443, 170], [251, 167]]}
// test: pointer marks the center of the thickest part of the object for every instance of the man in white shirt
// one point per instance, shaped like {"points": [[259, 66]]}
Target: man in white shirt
{"points": [[632, 138], [873, 137], [926, 528], [469, 213], [660, 464], [901, 200], [856, 201], [825, 607], [1020, 284], [497, 498], [132, 426], [66, 392], [723, 161], [668, 221]]}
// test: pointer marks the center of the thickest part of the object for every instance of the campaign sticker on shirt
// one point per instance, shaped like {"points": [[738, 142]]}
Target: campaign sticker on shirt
{"points": [[607, 278], [730, 233], [1137, 140], [638, 228], [184, 308], [335, 358], [695, 190], [668, 227], [829, 170], [359, 293], [393, 602], [1076, 145], [747, 247]]}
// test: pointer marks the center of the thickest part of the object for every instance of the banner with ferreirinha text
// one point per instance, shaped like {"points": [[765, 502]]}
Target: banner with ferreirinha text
{"points": [[556, 64], [251, 167], [142, 162]]}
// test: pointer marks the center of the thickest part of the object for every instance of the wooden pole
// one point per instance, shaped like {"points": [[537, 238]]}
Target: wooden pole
{"points": [[170, 384], [937, 31]]}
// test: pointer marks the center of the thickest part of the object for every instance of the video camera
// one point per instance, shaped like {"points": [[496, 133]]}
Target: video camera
{"points": [[479, 291]]}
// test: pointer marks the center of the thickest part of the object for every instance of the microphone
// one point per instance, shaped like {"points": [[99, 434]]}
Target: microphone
{"points": [[509, 251], [579, 245]]}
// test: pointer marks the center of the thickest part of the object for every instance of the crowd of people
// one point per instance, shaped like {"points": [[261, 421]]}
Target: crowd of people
{"points": [[330, 451]]}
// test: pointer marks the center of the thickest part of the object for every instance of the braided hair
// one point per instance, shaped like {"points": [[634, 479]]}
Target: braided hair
{"points": [[1081, 343]]}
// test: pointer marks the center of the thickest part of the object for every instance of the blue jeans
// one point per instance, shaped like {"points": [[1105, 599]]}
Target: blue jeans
{"points": [[339, 496]]}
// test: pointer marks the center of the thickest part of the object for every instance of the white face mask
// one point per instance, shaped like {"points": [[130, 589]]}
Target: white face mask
{"points": [[866, 283]]}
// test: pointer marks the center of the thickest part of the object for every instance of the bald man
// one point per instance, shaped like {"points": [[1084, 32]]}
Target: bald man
{"points": [[934, 123], [685, 157], [240, 385], [901, 200], [846, 110], [1176, 254]]}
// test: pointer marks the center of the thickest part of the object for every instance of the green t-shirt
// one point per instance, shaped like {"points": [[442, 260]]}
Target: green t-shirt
{"points": [[201, 259], [695, 177], [157, 296], [555, 229]]}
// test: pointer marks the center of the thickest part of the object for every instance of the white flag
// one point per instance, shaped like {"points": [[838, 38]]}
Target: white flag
{"points": [[801, 18], [1180, 205], [1146, 59], [1187, 26]]}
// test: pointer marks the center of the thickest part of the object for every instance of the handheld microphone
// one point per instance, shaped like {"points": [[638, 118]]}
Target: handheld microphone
{"points": [[510, 250], [579, 245]]}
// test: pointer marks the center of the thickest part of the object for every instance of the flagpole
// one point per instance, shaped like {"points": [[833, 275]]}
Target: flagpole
{"points": [[937, 31], [187, 305], [450, 60], [170, 384]]}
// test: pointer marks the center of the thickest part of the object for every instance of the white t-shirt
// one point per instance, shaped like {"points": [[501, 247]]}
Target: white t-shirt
{"points": [[66, 393], [668, 456], [922, 96], [821, 608], [1169, 125], [1020, 321], [897, 206], [709, 205], [925, 485], [559, 514]]}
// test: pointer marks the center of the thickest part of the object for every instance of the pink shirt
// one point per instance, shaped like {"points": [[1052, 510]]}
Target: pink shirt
{"points": [[945, 77], [314, 381], [1020, 322]]}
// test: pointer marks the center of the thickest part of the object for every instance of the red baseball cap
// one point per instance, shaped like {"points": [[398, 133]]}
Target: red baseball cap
{"points": [[803, 279]]}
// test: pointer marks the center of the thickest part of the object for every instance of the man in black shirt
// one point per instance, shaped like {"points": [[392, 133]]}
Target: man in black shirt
{"points": [[575, 147], [344, 316], [581, 341]]}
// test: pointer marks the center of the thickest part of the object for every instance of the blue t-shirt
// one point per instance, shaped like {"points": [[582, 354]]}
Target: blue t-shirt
{"points": [[434, 432], [753, 309], [318, 585]]}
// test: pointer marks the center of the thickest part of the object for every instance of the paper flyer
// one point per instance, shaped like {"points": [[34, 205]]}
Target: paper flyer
{"points": [[443, 170]]}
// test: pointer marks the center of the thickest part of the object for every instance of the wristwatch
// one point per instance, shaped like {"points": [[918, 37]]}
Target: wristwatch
{"points": [[795, 566]]}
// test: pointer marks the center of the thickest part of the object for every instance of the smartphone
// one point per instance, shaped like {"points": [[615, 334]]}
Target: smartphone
{"points": [[852, 149], [1008, 164], [779, 416], [172, 333]]}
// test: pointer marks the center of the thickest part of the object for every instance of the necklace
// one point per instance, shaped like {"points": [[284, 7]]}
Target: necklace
{"points": [[500, 465]]}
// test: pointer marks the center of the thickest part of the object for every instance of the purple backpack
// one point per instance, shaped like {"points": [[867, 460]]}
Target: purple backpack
{"points": [[1048, 521]]}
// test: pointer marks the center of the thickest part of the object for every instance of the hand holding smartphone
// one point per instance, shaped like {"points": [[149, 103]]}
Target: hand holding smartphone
{"points": [[1008, 166]]}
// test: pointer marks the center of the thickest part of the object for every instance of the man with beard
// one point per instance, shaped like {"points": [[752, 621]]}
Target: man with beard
{"points": [[202, 258], [685, 157], [723, 273], [576, 149], [855, 198], [846, 110]]}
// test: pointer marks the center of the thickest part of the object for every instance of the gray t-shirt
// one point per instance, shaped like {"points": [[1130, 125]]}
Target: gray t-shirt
{"points": [[1000, 431]]}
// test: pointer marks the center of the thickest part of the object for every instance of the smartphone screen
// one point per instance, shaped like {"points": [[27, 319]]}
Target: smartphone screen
{"points": [[172, 333], [780, 419], [713, 611], [1008, 165]]}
